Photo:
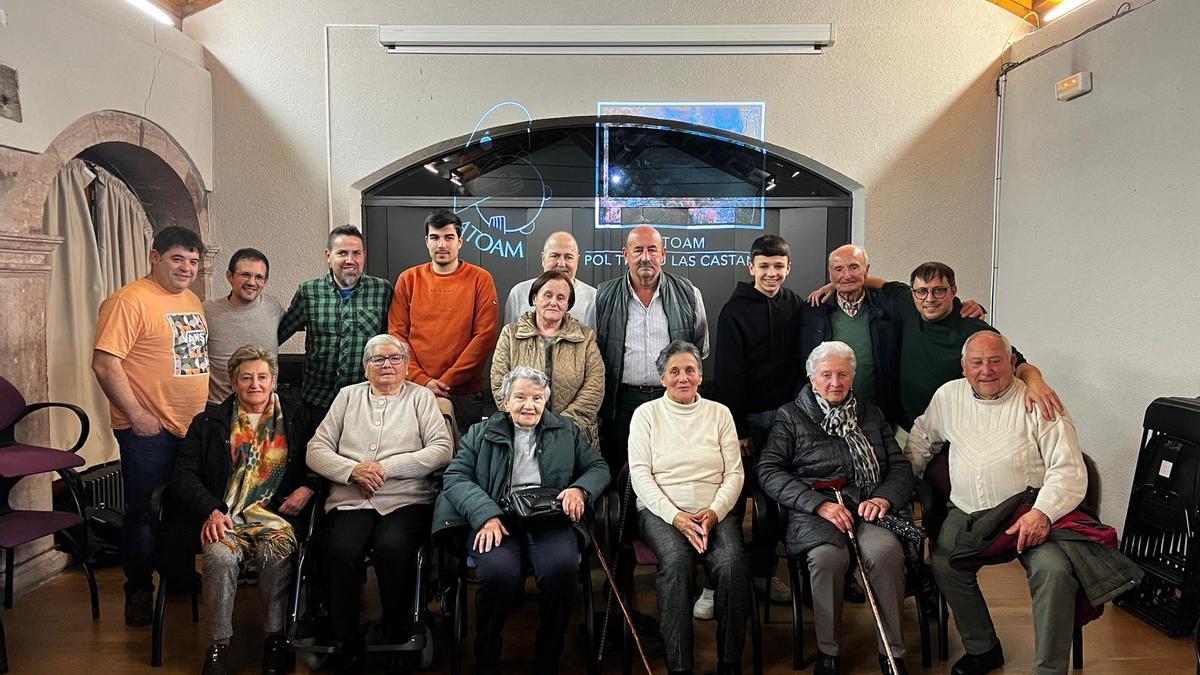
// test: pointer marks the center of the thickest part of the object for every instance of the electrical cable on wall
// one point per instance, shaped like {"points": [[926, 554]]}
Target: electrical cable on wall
{"points": [[1124, 9]]}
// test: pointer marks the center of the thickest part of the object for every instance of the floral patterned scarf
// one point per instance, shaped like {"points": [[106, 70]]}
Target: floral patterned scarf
{"points": [[259, 456]]}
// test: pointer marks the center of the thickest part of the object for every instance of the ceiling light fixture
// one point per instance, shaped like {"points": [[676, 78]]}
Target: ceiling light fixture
{"points": [[620, 39], [153, 10], [1062, 9]]}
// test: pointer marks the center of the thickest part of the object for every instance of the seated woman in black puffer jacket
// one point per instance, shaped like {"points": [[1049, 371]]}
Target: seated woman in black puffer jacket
{"points": [[827, 433]]}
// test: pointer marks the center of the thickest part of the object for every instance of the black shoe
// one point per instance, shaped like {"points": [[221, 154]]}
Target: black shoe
{"points": [[825, 664], [278, 657], [886, 669], [139, 608], [978, 664], [217, 661], [853, 591]]}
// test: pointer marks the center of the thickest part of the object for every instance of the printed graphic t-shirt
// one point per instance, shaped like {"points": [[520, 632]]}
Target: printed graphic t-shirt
{"points": [[162, 340]]}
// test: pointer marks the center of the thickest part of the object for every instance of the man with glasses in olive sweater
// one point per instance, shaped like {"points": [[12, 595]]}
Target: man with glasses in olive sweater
{"points": [[931, 340]]}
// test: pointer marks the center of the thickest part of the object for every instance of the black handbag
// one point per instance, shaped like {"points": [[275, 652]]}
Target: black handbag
{"points": [[535, 508]]}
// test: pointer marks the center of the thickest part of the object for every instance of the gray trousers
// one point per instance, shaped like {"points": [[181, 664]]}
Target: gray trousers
{"points": [[221, 565], [827, 564], [724, 563], [1052, 584]]}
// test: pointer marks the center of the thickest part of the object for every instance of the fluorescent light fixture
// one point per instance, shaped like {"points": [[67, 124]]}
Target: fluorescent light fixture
{"points": [[1062, 9], [608, 39], [153, 10], [431, 168]]}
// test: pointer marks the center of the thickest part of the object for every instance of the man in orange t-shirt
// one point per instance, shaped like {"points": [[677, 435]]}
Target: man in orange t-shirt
{"points": [[151, 358], [448, 314]]}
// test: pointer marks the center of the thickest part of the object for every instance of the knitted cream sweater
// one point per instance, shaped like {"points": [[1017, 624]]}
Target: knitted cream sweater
{"points": [[405, 433], [998, 449], [684, 458]]}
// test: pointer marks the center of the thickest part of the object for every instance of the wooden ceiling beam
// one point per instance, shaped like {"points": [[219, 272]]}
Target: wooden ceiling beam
{"points": [[190, 7], [1021, 8]]}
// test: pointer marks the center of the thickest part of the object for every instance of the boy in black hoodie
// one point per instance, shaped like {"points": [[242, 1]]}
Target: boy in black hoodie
{"points": [[758, 369]]}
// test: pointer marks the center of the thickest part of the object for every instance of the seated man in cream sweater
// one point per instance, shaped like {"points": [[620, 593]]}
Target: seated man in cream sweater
{"points": [[997, 449]]}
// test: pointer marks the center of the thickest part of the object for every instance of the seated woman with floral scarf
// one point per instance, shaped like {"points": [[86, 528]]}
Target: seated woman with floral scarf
{"points": [[240, 474]]}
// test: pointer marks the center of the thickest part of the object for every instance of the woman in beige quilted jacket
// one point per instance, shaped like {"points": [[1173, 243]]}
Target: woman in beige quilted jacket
{"points": [[554, 342]]}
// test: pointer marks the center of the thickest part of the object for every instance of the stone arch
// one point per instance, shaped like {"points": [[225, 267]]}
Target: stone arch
{"points": [[144, 155], [164, 178]]}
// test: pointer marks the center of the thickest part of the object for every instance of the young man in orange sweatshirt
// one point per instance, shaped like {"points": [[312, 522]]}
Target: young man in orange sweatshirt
{"points": [[448, 314]]}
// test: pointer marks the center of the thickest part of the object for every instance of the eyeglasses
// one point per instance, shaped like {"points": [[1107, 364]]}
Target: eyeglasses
{"points": [[938, 292], [394, 359], [246, 276]]}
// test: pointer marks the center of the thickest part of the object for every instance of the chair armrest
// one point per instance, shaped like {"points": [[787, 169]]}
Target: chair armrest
{"points": [[85, 425], [315, 510], [452, 539]]}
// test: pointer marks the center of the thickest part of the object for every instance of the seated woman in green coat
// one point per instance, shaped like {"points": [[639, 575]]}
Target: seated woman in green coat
{"points": [[524, 445]]}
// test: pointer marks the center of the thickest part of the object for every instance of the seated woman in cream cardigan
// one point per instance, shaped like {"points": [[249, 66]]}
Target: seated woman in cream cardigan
{"points": [[686, 470], [379, 445]]}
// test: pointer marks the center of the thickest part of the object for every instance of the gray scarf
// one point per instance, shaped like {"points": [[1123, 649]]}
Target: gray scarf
{"points": [[842, 421]]}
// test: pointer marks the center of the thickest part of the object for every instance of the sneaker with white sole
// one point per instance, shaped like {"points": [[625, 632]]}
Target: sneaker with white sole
{"points": [[779, 590], [703, 609]]}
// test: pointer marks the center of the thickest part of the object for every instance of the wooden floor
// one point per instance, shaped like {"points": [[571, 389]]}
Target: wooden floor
{"points": [[50, 631]]}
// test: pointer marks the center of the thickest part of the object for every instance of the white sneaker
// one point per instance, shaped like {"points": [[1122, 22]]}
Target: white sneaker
{"points": [[703, 609], [779, 590]]}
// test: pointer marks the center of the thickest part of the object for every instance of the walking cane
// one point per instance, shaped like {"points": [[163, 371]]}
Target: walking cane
{"points": [[836, 485]]}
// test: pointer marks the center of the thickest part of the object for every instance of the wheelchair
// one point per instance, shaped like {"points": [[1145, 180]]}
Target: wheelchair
{"points": [[306, 619]]}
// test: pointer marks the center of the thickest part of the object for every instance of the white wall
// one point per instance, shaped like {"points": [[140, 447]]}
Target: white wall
{"points": [[1098, 278], [75, 57], [902, 103]]}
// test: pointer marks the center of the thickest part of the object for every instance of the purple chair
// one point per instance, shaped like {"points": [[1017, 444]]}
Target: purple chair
{"points": [[18, 460]]}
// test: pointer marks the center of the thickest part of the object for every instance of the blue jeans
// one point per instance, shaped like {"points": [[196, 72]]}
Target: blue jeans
{"points": [[146, 463]]}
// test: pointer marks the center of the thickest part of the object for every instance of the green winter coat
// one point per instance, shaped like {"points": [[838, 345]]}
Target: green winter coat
{"points": [[478, 476]]}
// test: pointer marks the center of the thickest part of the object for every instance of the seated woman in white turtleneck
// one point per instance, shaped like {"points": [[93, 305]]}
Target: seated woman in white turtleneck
{"points": [[686, 470]]}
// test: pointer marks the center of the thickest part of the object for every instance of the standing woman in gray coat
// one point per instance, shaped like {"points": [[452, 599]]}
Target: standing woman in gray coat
{"points": [[827, 433]]}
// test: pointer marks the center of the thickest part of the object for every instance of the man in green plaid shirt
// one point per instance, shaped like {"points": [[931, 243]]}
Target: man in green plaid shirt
{"points": [[339, 312]]}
